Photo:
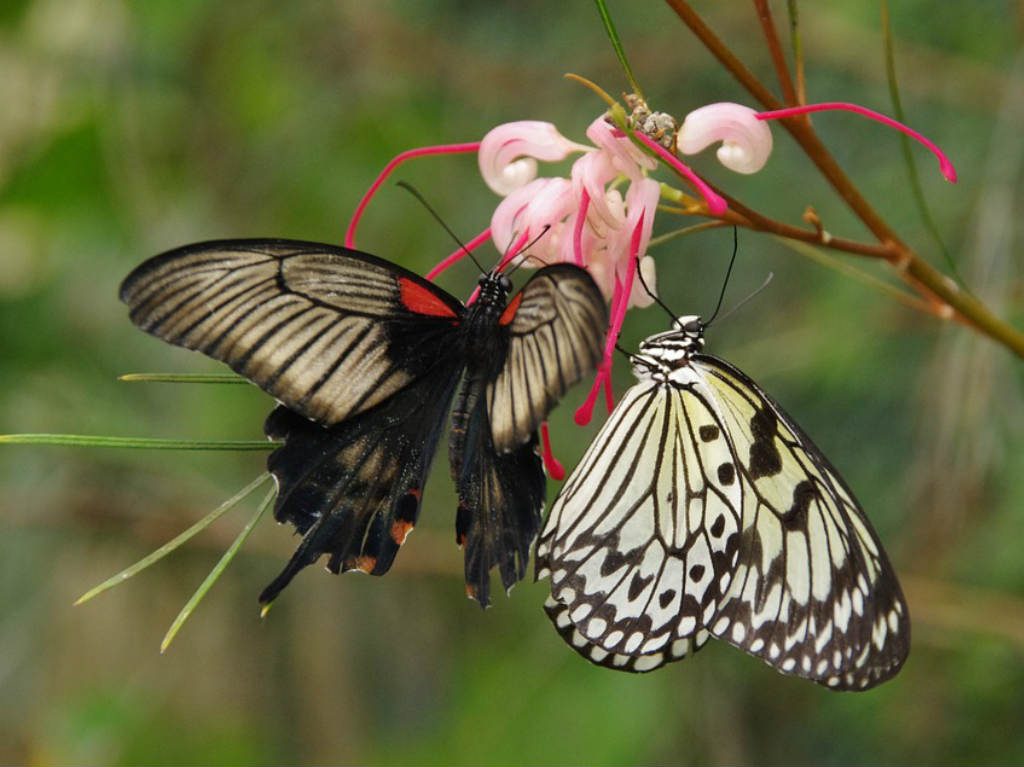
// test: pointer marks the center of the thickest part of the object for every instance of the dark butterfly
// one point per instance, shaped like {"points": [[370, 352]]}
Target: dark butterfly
{"points": [[365, 358]]}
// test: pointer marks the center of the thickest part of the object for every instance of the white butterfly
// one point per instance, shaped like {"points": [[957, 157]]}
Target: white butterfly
{"points": [[701, 509]]}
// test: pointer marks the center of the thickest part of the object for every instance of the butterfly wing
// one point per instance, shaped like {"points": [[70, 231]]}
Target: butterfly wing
{"points": [[329, 332], [544, 340], [641, 543], [813, 593], [354, 490], [795, 576], [554, 326]]}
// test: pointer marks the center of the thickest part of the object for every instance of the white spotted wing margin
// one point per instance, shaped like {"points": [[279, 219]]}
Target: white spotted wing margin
{"points": [[701, 509]]}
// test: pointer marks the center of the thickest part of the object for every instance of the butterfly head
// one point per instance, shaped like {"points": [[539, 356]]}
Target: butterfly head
{"points": [[663, 353], [494, 288]]}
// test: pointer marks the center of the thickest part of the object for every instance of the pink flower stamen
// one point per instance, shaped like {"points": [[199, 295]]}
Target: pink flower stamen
{"points": [[945, 165], [716, 205], [350, 233], [460, 254], [620, 301], [551, 464]]}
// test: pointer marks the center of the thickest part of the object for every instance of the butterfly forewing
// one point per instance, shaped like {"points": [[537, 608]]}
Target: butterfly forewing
{"points": [[813, 593], [552, 345], [329, 332], [702, 508]]}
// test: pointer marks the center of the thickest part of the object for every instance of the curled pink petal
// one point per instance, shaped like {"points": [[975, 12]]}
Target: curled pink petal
{"points": [[350, 233], [746, 140], [543, 202], [508, 153], [945, 165]]}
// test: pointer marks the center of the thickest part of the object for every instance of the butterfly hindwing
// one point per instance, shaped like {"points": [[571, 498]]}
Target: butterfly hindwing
{"points": [[354, 490], [330, 332], [641, 543], [702, 508], [552, 344]]}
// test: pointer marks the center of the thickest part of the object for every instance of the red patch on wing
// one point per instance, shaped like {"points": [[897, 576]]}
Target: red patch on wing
{"points": [[421, 300], [510, 311], [365, 564], [400, 531]]}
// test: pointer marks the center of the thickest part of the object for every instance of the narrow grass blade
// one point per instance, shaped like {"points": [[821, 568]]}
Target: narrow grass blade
{"points": [[620, 52], [139, 443], [217, 378], [908, 155], [215, 573], [175, 542]]}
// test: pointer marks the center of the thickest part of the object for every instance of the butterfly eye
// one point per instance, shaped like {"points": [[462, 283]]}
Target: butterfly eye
{"points": [[505, 282]]}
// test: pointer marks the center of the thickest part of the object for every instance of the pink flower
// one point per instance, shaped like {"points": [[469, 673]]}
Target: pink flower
{"points": [[601, 215], [746, 140]]}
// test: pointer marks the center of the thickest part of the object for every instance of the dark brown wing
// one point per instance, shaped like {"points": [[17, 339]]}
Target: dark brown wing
{"points": [[329, 332], [354, 490]]}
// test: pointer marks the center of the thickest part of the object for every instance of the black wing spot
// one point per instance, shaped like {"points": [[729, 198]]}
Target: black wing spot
{"points": [[666, 597], [726, 473], [709, 432], [765, 459], [718, 527], [795, 517], [615, 559], [697, 572], [637, 585]]}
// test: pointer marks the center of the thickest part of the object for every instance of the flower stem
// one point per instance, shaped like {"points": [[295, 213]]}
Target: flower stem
{"points": [[215, 573], [174, 543]]}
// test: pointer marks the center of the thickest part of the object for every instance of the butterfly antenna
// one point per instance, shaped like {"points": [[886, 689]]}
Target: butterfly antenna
{"points": [[415, 193], [725, 283], [767, 280], [651, 293], [522, 252]]}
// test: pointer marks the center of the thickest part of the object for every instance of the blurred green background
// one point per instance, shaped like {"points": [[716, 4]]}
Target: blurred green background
{"points": [[127, 128]]}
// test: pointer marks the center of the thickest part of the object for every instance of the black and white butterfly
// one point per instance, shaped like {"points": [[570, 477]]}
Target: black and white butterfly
{"points": [[702, 510], [365, 358]]}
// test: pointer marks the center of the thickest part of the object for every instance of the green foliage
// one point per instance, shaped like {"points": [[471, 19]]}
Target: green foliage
{"points": [[131, 128]]}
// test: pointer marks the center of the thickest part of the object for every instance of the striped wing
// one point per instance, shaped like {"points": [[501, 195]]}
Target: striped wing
{"points": [[329, 332], [703, 509], [641, 543], [813, 593], [555, 339]]}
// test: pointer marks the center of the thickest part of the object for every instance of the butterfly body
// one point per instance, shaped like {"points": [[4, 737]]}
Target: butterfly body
{"points": [[366, 359], [702, 510]]}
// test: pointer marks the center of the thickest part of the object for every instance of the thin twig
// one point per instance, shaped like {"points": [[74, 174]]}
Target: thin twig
{"points": [[771, 38]]}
